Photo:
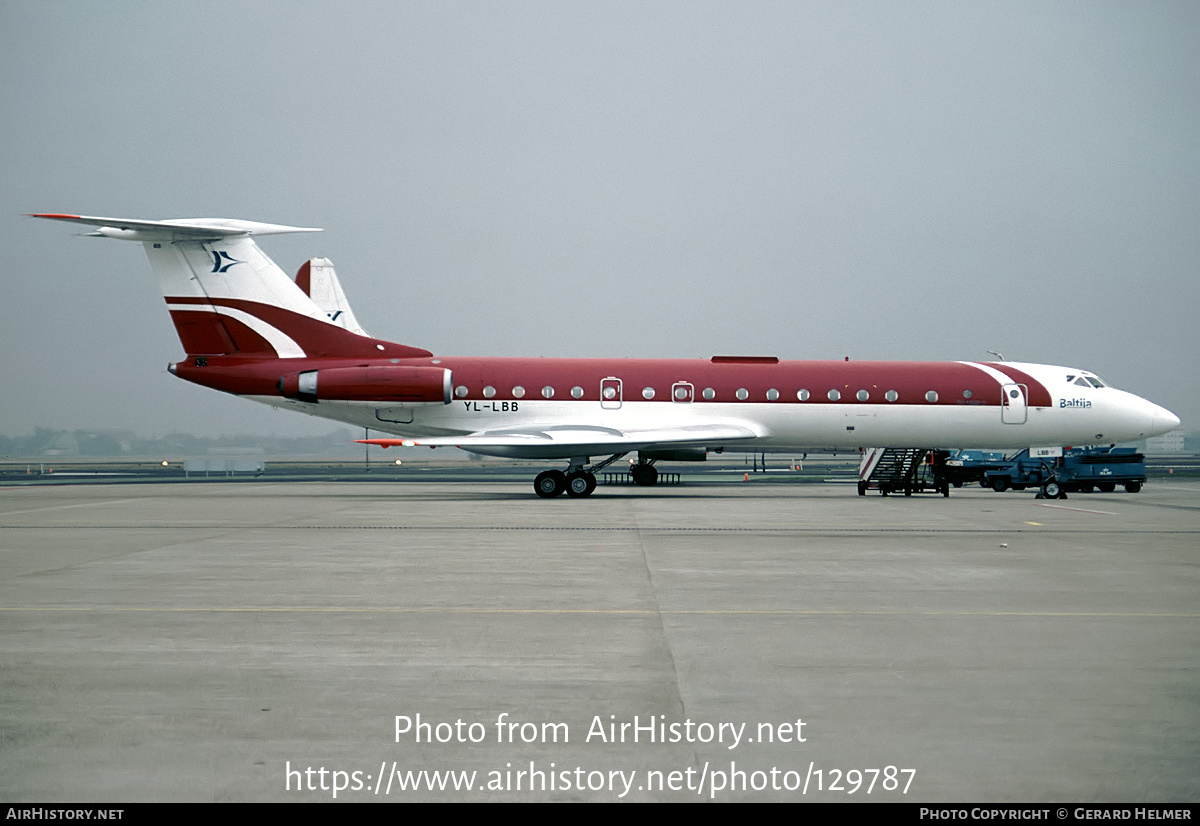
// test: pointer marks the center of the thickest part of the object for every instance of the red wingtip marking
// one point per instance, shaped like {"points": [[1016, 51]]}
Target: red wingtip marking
{"points": [[384, 443], [51, 215]]}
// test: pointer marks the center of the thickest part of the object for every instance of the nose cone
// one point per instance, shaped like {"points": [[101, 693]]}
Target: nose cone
{"points": [[1139, 419], [1164, 421]]}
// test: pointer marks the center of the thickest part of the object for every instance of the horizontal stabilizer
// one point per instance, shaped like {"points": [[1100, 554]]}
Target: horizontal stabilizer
{"points": [[173, 229]]}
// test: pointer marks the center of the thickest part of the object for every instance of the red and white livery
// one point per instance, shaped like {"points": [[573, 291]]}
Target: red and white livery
{"points": [[250, 330]]}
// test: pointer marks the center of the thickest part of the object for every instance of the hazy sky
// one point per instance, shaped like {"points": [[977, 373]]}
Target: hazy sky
{"points": [[917, 180]]}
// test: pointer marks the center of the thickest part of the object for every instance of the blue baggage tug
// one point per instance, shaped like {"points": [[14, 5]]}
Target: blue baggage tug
{"points": [[1083, 469]]}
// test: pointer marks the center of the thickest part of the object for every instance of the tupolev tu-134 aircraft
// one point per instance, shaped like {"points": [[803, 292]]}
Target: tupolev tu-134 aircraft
{"points": [[250, 330]]}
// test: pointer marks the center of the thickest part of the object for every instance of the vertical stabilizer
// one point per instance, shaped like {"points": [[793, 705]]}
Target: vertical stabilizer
{"points": [[226, 296], [319, 281]]}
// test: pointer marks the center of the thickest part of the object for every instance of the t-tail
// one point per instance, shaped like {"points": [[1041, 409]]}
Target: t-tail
{"points": [[226, 297]]}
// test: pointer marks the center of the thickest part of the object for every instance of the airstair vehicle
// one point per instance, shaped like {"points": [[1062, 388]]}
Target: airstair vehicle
{"points": [[902, 470]]}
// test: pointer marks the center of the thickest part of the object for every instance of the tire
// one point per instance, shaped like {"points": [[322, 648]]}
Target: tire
{"points": [[1052, 490], [1133, 487], [644, 475], [550, 483], [580, 484], [1107, 487], [999, 484]]}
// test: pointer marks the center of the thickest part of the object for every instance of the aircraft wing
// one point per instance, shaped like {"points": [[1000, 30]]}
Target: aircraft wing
{"points": [[566, 440]]}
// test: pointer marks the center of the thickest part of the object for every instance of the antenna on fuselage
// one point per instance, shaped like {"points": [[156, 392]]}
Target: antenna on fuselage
{"points": [[999, 356]]}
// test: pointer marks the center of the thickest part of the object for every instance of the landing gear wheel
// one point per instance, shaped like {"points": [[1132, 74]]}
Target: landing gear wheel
{"points": [[580, 483], [645, 475], [1053, 490], [550, 483]]}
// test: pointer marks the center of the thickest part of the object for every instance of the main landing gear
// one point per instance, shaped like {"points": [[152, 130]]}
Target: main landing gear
{"points": [[578, 481], [551, 483], [644, 473]]}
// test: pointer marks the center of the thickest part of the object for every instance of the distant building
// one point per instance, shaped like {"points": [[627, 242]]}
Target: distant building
{"points": [[1167, 443]]}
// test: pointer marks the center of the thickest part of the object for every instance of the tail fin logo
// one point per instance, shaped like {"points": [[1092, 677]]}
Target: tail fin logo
{"points": [[222, 261]]}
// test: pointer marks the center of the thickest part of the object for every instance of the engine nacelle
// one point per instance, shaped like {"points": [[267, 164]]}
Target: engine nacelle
{"points": [[384, 383]]}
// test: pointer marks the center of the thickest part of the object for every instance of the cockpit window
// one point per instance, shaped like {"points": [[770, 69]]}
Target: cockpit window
{"points": [[1085, 380]]}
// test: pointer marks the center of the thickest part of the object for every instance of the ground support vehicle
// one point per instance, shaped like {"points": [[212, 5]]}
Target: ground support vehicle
{"points": [[902, 470], [964, 467], [1084, 469]]}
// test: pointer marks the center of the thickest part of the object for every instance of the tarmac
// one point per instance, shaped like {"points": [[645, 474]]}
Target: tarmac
{"points": [[463, 641]]}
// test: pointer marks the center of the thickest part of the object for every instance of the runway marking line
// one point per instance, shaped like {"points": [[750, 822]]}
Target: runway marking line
{"points": [[591, 611], [798, 528], [1078, 510]]}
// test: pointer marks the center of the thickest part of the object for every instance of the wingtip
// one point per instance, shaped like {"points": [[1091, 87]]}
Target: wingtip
{"points": [[386, 443]]}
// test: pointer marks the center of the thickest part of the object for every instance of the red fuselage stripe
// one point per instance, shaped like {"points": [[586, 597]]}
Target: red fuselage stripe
{"points": [[497, 378]]}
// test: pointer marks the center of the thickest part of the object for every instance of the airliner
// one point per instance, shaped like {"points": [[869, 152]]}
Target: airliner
{"points": [[249, 329]]}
